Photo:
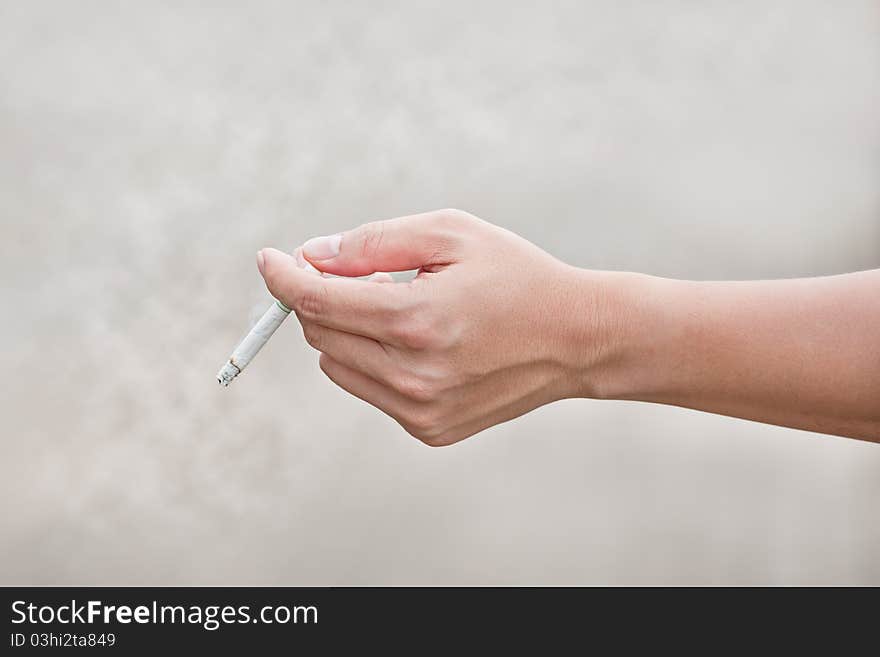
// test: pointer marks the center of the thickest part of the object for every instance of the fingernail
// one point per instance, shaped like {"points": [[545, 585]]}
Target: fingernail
{"points": [[260, 261], [323, 248], [302, 262]]}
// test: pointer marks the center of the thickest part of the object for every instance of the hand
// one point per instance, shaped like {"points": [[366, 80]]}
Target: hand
{"points": [[490, 328]]}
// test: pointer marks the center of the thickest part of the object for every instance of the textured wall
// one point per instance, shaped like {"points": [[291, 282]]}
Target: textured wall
{"points": [[146, 153]]}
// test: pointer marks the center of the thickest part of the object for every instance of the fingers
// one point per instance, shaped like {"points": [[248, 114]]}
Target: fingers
{"points": [[364, 354], [391, 245], [416, 417], [359, 307], [363, 387]]}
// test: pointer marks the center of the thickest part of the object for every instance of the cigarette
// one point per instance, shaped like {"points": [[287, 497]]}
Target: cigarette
{"points": [[254, 341]]}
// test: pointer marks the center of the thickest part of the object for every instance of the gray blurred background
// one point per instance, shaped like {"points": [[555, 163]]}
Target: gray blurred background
{"points": [[148, 150]]}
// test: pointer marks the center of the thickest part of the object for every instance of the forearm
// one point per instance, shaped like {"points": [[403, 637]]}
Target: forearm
{"points": [[802, 353]]}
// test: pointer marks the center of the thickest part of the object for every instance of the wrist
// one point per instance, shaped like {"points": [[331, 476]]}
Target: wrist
{"points": [[622, 335]]}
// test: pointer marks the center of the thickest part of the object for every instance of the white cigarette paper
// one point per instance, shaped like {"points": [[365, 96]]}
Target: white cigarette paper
{"points": [[253, 342]]}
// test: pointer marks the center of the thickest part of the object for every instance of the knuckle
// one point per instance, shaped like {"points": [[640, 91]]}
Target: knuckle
{"points": [[415, 332], [453, 218], [325, 364], [398, 331], [312, 303], [414, 339], [451, 229], [372, 235], [415, 389], [314, 336], [435, 441], [423, 425]]}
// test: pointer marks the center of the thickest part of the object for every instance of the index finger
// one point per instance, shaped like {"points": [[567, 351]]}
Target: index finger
{"points": [[360, 307]]}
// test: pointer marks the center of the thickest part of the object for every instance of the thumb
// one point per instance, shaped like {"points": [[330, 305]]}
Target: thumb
{"points": [[398, 244]]}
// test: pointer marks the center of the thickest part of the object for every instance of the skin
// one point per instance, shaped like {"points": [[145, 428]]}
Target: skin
{"points": [[493, 327]]}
